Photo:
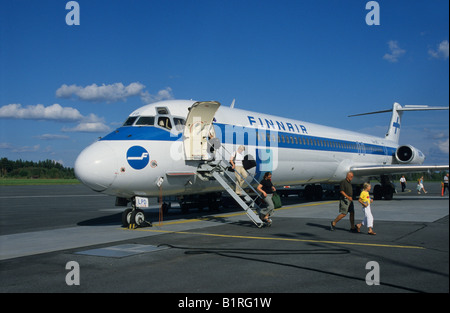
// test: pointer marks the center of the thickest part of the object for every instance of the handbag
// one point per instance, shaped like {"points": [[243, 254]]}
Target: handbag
{"points": [[276, 200]]}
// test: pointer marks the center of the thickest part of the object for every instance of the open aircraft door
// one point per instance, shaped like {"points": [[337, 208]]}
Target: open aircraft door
{"points": [[197, 128]]}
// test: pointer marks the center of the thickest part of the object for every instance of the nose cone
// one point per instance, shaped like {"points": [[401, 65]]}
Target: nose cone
{"points": [[96, 166]]}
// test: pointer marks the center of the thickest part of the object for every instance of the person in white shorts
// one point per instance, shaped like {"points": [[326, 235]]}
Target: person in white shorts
{"points": [[365, 200]]}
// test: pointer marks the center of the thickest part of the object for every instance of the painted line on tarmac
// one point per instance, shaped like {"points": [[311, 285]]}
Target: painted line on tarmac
{"points": [[211, 218], [282, 239]]}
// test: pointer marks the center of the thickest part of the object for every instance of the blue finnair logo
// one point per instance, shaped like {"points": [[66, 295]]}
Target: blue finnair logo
{"points": [[137, 157]]}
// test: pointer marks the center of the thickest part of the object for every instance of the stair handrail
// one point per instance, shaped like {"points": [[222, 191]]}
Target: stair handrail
{"points": [[258, 195]]}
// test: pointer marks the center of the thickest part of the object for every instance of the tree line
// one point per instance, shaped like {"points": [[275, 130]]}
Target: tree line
{"points": [[30, 169]]}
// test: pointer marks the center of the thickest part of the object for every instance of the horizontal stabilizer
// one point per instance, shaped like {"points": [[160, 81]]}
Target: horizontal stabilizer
{"points": [[406, 108]]}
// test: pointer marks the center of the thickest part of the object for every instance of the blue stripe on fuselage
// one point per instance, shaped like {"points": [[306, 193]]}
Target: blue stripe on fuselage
{"points": [[240, 135], [142, 133]]}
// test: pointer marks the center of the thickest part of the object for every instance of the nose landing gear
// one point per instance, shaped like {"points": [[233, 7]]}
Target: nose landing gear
{"points": [[134, 217]]}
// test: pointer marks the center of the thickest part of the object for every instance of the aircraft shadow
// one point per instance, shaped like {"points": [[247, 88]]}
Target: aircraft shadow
{"points": [[254, 254], [152, 215]]}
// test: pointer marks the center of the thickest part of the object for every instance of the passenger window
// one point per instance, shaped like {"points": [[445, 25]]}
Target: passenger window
{"points": [[146, 121], [164, 121], [261, 136], [130, 121]]}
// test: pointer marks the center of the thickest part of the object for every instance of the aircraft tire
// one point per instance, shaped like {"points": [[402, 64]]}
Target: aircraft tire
{"points": [[126, 217], [377, 192], [309, 193], [137, 217], [318, 192], [388, 192]]}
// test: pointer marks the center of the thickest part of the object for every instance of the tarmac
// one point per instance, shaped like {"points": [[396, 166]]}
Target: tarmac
{"points": [[68, 239]]}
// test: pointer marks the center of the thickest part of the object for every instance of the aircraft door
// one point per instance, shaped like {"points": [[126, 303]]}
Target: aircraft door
{"points": [[197, 128]]}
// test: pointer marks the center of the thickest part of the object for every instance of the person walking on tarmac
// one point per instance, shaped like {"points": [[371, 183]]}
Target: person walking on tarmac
{"points": [[403, 182], [346, 203], [420, 185], [365, 201], [445, 185], [266, 188]]}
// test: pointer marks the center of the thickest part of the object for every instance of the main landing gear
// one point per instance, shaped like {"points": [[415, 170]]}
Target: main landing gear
{"points": [[386, 190]]}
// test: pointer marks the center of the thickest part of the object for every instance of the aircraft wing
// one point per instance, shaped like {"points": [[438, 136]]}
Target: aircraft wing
{"points": [[395, 169]]}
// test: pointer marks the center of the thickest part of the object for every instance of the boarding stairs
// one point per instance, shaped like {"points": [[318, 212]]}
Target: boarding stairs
{"points": [[218, 170]]}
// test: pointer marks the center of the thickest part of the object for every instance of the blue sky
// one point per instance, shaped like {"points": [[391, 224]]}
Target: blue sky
{"points": [[62, 87]]}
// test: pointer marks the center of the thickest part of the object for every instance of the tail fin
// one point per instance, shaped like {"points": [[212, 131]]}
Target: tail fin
{"points": [[393, 133]]}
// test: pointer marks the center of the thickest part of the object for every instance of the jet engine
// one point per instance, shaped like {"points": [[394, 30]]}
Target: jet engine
{"points": [[409, 155]]}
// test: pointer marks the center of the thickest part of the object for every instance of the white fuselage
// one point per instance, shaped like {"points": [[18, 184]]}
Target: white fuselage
{"points": [[130, 160]]}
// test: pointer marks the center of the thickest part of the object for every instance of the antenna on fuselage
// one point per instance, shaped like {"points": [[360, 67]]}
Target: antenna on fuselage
{"points": [[232, 104]]}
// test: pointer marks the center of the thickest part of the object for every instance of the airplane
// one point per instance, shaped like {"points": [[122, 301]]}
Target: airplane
{"points": [[164, 148]]}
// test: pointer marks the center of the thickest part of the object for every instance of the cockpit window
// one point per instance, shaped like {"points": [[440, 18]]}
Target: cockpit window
{"points": [[130, 121], [164, 121], [146, 121], [179, 123], [162, 110]]}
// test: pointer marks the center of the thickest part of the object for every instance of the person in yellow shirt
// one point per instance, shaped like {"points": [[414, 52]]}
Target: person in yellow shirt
{"points": [[365, 200]]}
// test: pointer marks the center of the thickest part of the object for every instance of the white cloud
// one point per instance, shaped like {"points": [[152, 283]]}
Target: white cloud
{"points": [[5, 145], [104, 92], [441, 52], [27, 149], [439, 139], [88, 127], [111, 93], [19, 149], [164, 94], [52, 137], [90, 124], [443, 146], [53, 112], [395, 52], [57, 113], [66, 91]]}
